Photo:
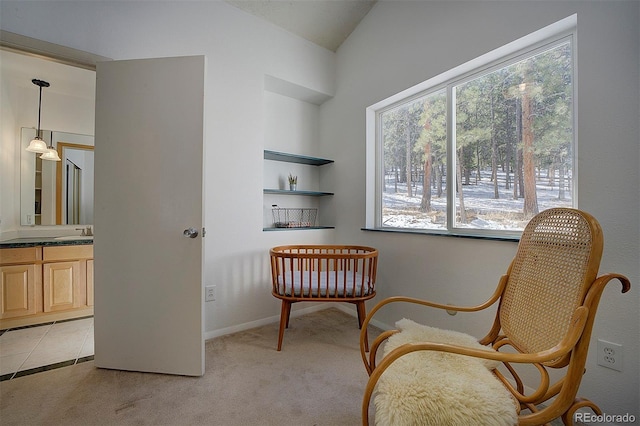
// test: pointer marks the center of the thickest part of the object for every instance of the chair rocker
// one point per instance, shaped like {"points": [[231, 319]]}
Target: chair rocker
{"points": [[547, 303]]}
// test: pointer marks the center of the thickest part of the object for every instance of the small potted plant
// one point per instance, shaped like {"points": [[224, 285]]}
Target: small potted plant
{"points": [[293, 182]]}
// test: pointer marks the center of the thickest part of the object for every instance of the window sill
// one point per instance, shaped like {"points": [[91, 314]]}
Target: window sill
{"points": [[300, 228], [443, 234]]}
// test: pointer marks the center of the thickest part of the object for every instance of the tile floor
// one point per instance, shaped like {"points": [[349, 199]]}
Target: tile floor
{"points": [[29, 350]]}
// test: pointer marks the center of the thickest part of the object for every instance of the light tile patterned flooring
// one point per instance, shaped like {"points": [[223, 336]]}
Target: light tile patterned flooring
{"points": [[38, 348]]}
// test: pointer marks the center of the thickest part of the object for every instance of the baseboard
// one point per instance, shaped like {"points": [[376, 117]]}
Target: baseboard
{"points": [[264, 321], [294, 313], [345, 308]]}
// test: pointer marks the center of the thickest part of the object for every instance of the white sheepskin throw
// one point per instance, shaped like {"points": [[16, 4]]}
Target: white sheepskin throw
{"points": [[437, 388]]}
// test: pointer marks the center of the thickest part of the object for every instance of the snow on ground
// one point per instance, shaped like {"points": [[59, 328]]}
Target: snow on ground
{"points": [[483, 211]]}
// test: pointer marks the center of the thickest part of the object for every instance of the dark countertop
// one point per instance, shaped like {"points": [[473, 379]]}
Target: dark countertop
{"points": [[42, 241]]}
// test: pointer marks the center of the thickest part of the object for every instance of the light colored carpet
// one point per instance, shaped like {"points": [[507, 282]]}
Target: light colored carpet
{"points": [[317, 379]]}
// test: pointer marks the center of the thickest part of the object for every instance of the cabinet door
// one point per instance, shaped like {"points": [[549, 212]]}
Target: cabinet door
{"points": [[17, 290], [64, 286], [90, 282]]}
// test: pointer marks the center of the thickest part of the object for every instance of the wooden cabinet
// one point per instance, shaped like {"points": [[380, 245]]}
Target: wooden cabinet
{"points": [[40, 284], [65, 277], [20, 282], [90, 282], [18, 295], [62, 286]]}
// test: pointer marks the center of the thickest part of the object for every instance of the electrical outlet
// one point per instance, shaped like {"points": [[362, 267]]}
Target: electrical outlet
{"points": [[210, 293], [610, 355]]}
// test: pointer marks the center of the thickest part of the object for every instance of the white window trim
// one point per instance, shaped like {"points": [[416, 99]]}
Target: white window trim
{"points": [[551, 34]]}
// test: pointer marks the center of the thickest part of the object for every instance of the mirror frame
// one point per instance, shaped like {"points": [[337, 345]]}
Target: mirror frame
{"points": [[60, 148]]}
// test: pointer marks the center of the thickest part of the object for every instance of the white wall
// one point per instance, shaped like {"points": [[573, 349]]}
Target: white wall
{"points": [[240, 51], [400, 44]]}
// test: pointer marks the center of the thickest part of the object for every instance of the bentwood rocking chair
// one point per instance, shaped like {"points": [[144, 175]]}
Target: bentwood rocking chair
{"points": [[547, 304]]}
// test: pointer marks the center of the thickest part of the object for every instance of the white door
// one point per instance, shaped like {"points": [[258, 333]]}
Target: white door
{"points": [[148, 191]]}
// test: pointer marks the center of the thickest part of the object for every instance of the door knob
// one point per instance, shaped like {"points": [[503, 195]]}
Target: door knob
{"points": [[191, 233]]}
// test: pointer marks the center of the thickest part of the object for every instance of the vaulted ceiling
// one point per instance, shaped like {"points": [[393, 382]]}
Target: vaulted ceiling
{"points": [[326, 23]]}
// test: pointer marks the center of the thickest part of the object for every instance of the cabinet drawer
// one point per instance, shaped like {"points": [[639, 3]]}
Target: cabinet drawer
{"points": [[55, 253], [21, 255]]}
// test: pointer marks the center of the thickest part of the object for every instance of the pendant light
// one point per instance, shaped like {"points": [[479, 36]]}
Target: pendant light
{"points": [[37, 144], [51, 154]]}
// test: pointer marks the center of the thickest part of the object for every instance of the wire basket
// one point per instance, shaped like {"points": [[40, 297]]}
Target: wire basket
{"points": [[294, 217]]}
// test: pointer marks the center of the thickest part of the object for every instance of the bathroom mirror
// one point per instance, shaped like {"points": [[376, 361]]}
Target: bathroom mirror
{"points": [[57, 192]]}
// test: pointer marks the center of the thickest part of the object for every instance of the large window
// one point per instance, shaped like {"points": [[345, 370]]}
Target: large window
{"points": [[481, 149]]}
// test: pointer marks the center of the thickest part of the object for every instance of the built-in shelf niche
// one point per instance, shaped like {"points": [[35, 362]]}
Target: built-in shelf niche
{"points": [[292, 121], [295, 159]]}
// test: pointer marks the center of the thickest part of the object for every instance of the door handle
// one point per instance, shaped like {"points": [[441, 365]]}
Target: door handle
{"points": [[191, 233]]}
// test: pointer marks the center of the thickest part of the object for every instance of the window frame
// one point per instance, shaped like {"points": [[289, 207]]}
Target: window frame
{"points": [[530, 45]]}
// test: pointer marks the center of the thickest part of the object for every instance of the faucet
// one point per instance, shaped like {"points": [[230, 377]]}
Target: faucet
{"points": [[88, 232]]}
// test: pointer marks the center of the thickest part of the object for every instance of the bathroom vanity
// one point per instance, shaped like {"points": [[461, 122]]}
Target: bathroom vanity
{"points": [[45, 279]]}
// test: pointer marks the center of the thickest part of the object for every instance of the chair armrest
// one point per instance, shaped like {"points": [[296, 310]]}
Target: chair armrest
{"points": [[577, 324], [370, 363]]}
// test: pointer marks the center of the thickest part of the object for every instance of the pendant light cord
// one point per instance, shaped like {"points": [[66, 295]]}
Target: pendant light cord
{"points": [[40, 84], [39, 110]]}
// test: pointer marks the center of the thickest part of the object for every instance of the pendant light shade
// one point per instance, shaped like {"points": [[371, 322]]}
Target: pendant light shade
{"points": [[37, 144], [51, 155]]}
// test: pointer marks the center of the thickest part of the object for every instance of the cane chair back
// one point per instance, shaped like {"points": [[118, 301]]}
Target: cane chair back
{"points": [[556, 262]]}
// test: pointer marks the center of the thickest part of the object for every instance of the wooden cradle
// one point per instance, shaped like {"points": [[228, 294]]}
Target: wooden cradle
{"points": [[322, 273]]}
